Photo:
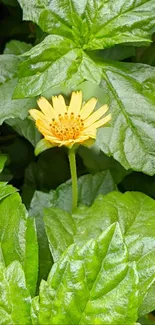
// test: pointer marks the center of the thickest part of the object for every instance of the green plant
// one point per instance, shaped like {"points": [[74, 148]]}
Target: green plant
{"points": [[95, 264]]}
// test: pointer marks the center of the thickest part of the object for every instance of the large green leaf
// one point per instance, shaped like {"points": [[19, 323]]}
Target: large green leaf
{"points": [[93, 24], [148, 303], [95, 160], [135, 213], [18, 236], [40, 69], [25, 128], [8, 67], [89, 187], [17, 108], [56, 61], [86, 283], [130, 139], [9, 108], [51, 169], [6, 190], [16, 47], [15, 300], [116, 53]]}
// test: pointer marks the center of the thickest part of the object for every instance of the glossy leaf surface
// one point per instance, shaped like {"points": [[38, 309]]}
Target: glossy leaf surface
{"points": [[136, 216], [86, 282], [18, 235], [101, 24], [15, 300]]}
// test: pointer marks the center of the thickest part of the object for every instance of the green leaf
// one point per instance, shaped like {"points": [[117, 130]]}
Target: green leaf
{"points": [[46, 67], [130, 138], [39, 201], [89, 187], [17, 108], [3, 159], [16, 47], [18, 237], [86, 282], [6, 190], [35, 310], [15, 300], [90, 89], [31, 256], [116, 53], [40, 69], [135, 214], [60, 229], [50, 170], [95, 160], [6, 175], [2, 262], [25, 128], [148, 303], [42, 145], [11, 108], [8, 67], [93, 25]]}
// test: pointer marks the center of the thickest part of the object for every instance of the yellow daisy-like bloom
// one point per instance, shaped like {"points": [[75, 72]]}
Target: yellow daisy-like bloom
{"points": [[65, 125]]}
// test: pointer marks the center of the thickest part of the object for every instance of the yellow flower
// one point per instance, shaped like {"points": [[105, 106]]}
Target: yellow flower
{"points": [[63, 125]]}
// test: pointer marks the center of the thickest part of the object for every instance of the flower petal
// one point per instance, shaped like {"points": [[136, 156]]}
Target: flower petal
{"points": [[96, 115], [60, 143], [46, 108], [37, 115], [59, 104], [69, 143], [43, 123], [43, 127], [88, 108], [75, 103], [102, 121], [81, 139], [52, 138], [90, 131]]}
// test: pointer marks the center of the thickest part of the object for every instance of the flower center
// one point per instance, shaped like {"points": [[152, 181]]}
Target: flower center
{"points": [[67, 127]]}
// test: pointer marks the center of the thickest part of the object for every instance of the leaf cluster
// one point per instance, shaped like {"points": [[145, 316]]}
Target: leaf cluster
{"points": [[97, 264]]}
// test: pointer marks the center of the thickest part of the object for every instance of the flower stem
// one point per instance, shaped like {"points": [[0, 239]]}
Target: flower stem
{"points": [[72, 162]]}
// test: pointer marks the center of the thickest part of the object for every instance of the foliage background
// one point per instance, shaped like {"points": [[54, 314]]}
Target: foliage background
{"points": [[122, 75]]}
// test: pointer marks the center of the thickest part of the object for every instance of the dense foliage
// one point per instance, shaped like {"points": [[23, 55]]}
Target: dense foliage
{"points": [[96, 264]]}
